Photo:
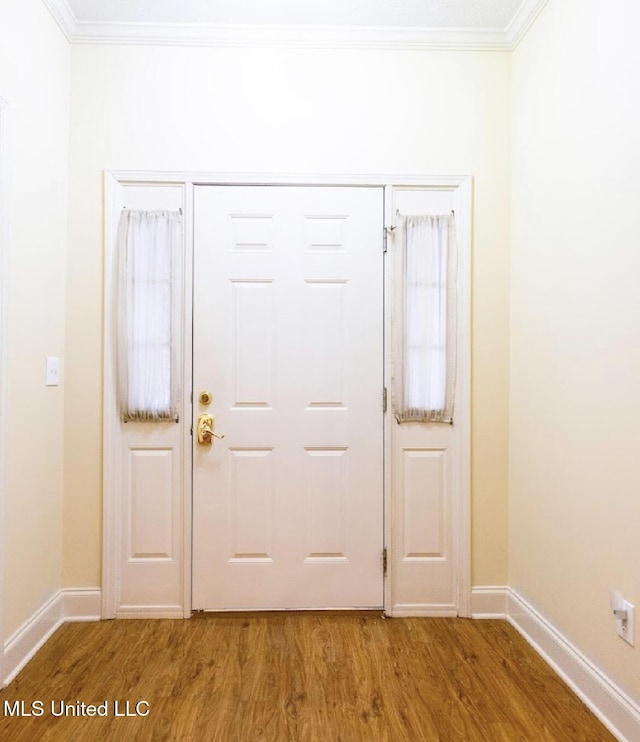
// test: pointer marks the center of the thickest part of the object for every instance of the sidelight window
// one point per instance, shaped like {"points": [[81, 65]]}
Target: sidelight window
{"points": [[424, 370], [149, 262]]}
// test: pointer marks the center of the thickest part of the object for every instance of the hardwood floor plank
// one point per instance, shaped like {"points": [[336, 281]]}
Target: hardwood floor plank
{"points": [[298, 677]]}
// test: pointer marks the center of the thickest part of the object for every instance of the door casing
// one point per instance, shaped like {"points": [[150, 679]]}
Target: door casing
{"points": [[117, 183]]}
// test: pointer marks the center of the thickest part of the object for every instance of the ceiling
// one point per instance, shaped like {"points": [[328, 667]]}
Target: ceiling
{"points": [[487, 24]]}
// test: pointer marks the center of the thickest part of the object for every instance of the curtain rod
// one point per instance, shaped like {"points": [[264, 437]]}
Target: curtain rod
{"points": [[399, 213], [124, 208]]}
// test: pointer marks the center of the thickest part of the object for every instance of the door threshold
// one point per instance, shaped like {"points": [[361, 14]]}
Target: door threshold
{"points": [[259, 613]]}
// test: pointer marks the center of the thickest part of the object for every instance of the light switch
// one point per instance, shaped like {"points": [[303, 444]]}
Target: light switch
{"points": [[53, 371]]}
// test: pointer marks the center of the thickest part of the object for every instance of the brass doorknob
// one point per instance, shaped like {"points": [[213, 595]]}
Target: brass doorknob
{"points": [[206, 430]]}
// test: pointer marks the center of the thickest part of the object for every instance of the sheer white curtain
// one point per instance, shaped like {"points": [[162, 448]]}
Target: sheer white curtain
{"points": [[149, 268], [424, 327]]}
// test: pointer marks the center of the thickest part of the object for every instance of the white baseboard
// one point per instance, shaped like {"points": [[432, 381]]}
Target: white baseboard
{"points": [[489, 601], [619, 713], [81, 604], [66, 605], [34, 632]]}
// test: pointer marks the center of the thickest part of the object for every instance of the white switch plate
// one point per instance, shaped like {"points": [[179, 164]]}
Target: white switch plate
{"points": [[53, 371]]}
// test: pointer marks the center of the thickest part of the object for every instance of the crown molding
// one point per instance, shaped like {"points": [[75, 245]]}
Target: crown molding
{"points": [[285, 36], [63, 16], [337, 37], [523, 20]]}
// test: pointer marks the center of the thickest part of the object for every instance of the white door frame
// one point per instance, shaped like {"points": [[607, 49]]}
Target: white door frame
{"points": [[4, 305], [115, 184]]}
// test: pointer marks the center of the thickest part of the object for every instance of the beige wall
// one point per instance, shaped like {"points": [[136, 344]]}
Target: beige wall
{"points": [[172, 108], [34, 80], [575, 324]]}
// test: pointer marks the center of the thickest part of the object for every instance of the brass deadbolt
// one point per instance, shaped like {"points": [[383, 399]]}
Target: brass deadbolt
{"points": [[206, 397]]}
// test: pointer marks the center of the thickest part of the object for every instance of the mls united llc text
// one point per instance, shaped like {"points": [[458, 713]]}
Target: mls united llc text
{"points": [[77, 708]]}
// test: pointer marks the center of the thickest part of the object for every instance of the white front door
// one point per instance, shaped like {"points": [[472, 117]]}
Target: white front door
{"points": [[288, 338]]}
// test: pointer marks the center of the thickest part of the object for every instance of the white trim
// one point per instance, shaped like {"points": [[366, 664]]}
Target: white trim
{"points": [[388, 417], [114, 183], [489, 601], [291, 36], [111, 525], [184, 177], [463, 206], [66, 605], [615, 709], [187, 376], [63, 16], [22, 645], [523, 20], [81, 604], [4, 306]]}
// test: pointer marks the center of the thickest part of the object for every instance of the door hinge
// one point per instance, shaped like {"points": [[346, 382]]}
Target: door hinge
{"points": [[384, 561], [385, 233], [384, 399]]}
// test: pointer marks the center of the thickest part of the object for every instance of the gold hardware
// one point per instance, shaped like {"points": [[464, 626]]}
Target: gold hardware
{"points": [[206, 430], [206, 397]]}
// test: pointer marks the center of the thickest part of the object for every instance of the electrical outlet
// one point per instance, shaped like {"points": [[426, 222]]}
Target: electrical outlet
{"points": [[624, 626]]}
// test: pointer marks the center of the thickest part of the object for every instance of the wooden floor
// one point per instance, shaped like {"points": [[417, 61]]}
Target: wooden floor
{"points": [[278, 677]]}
